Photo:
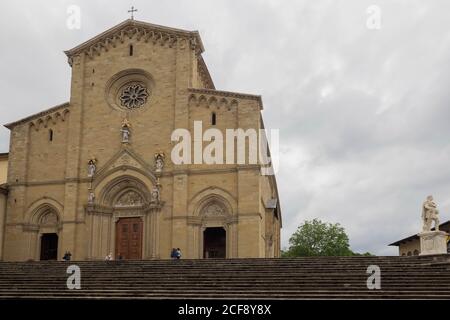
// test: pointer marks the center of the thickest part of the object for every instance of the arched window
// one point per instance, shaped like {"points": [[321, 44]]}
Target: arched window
{"points": [[131, 50], [416, 252], [409, 253], [50, 135], [213, 119]]}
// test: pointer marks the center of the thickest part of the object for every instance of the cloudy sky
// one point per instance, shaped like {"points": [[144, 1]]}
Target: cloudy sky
{"points": [[363, 113]]}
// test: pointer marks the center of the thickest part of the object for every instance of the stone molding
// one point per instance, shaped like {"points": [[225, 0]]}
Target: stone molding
{"points": [[141, 31], [44, 117], [167, 173], [226, 94]]}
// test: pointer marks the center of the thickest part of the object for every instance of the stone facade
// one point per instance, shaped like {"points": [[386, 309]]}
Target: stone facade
{"points": [[51, 188]]}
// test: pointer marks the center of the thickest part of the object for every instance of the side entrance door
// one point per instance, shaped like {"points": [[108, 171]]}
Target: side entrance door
{"points": [[49, 246]]}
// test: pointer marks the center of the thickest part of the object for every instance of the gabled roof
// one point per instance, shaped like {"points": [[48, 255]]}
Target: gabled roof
{"points": [[131, 27], [37, 115]]}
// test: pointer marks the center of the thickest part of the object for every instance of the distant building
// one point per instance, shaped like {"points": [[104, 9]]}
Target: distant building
{"points": [[410, 246]]}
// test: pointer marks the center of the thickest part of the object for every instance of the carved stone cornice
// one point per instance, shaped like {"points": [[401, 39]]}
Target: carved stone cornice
{"points": [[167, 173], [199, 220], [194, 220], [29, 227], [210, 93], [141, 31], [49, 182], [96, 208], [43, 117]]}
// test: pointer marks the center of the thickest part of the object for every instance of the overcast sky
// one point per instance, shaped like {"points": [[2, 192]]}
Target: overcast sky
{"points": [[363, 113]]}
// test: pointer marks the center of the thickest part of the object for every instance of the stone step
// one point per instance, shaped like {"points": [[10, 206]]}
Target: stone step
{"points": [[293, 278]]}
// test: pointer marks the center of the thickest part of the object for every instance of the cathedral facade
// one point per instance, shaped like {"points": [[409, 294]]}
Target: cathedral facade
{"points": [[96, 175]]}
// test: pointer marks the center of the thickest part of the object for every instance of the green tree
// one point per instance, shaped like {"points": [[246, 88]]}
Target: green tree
{"points": [[317, 238]]}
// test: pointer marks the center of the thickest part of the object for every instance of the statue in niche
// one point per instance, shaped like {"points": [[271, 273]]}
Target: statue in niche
{"points": [[159, 161], [430, 213], [91, 197], [155, 195], [126, 131], [92, 167]]}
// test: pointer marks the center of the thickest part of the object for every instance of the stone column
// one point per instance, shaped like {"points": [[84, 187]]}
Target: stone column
{"points": [[433, 242], [72, 212], [154, 236], [147, 235]]}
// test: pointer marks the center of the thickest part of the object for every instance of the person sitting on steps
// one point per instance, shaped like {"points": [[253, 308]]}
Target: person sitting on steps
{"points": [[67, 256], [173, 254]]}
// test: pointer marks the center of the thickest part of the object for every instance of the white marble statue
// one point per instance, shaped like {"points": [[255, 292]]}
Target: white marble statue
{"points": [[430, 213], [126, 131], [91, 168], [159, 162], [155, 195], [91, 197]]}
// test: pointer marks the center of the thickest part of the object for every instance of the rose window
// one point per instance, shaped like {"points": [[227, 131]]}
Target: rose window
{"points": [[133, 96]]}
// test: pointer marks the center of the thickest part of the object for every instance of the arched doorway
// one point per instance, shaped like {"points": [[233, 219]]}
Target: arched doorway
{"points": [[124, 218], [45, 228], [214, 243], [49, 246]]}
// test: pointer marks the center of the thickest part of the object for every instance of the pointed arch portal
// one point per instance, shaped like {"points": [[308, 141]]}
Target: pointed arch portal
{"points": [[124, 219]]}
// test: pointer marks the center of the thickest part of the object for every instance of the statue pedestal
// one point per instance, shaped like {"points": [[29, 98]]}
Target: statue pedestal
{"points": [[433, 242]]}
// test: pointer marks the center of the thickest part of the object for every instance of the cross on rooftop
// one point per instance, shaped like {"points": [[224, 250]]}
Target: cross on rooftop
{"points": [[132, 11]]}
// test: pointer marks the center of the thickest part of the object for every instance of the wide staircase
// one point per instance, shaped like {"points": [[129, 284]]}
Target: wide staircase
{"points": [[296, 278]]}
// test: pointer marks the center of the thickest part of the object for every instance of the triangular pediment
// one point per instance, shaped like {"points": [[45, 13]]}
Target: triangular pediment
{"points": [[142, 31], [125, 158]]}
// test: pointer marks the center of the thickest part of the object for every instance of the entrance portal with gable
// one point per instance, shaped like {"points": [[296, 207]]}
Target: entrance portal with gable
{"points": [[125, 220]]}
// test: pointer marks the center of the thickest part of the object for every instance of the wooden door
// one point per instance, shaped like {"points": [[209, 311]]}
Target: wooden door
{"points": [[129, 238]]}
